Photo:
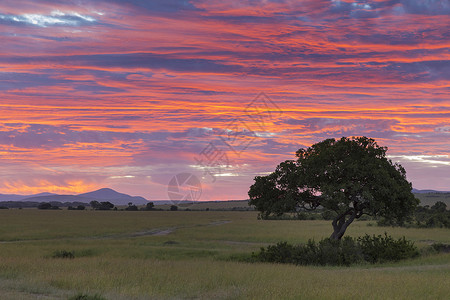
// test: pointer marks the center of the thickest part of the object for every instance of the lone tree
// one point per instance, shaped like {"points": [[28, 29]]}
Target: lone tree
{"points": [[350, 176]]}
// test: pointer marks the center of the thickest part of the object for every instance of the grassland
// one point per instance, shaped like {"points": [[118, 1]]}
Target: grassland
{"points": [[431, 198], [184, 255]]}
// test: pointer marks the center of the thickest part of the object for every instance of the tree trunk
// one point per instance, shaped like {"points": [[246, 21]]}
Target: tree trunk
{"points": [[340, 224]]}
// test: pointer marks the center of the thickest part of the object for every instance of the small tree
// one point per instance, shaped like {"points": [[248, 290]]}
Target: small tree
{"points": [[106, 205], [439, 207], [44, 205], [173, 207], [150, 206], [132, 208], [350, 177], [95, 204]]}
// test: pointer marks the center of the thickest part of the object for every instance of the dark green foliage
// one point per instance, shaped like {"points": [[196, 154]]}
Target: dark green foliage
{"points": [[326, 252], [106, 205], [132, 208], [425, 217], [173, 208], [344, 252], [282, 252], [82, 296], [349, 177], [150, 206], [63, 254], [381, 249], [45, 205], [436, 216]]}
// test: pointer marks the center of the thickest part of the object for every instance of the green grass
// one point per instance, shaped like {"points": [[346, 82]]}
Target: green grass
{"points": [[117, 257]]}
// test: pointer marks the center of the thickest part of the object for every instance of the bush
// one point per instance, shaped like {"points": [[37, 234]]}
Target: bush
{"points": [[436, 216], [150, 206], [326, 252], [132, 208], [381, 249], [345, 252], [86, 297], [282, 252], [44, 205], [63, 254]]}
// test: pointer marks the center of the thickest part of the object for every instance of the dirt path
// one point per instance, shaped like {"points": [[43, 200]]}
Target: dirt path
{"points": [[166, 231]]}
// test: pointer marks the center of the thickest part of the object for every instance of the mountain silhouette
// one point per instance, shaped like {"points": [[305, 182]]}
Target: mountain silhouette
{"points": [[107, 194], [101, 195], [14, 197]]}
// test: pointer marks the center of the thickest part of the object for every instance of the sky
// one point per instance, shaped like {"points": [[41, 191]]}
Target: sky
{"points": [[133, 95]]}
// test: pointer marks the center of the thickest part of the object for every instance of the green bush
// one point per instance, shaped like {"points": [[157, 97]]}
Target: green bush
{"points": [[381, 249], [436, 216], [345, 252], [325, 252], [281, 253]]}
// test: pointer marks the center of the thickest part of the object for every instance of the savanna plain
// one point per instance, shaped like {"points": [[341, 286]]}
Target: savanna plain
{"points": [[189, 255]]}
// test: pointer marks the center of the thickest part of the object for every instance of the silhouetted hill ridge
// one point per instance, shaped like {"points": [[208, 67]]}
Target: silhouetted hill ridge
{"points": [[104, 194]]}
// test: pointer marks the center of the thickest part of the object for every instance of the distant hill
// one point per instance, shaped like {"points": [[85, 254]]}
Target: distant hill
{"points": [[100, 195], [428, 191], [13, 197], [114, 197], [58, 198]]}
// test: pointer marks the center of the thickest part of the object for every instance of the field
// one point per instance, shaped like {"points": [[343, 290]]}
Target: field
{"points": [[431, 198], [185, 255]]}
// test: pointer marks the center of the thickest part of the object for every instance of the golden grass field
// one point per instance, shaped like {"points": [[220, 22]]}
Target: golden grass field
{"points": [[185, 255]]}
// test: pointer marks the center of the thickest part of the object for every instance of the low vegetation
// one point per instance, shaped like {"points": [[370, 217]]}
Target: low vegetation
{"points": [[63, 254], [86, 297], [372, 249]]}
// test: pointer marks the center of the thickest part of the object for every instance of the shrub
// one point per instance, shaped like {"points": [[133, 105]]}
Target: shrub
{"points": [[280, 253], [63, 254], [381, 249], [345, 252], [86, 297], [150, 206], [426, 217], [325, 252], [132, 208], [44, 205]]}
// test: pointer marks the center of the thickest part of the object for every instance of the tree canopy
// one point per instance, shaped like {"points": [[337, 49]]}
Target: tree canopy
{"points": [[350, 176]]}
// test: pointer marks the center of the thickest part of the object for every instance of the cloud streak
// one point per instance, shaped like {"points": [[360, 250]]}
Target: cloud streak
{"points": [[128, 93]]}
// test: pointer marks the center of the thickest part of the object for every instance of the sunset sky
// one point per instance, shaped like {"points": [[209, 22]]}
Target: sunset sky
{"points": [[128, 94]]}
